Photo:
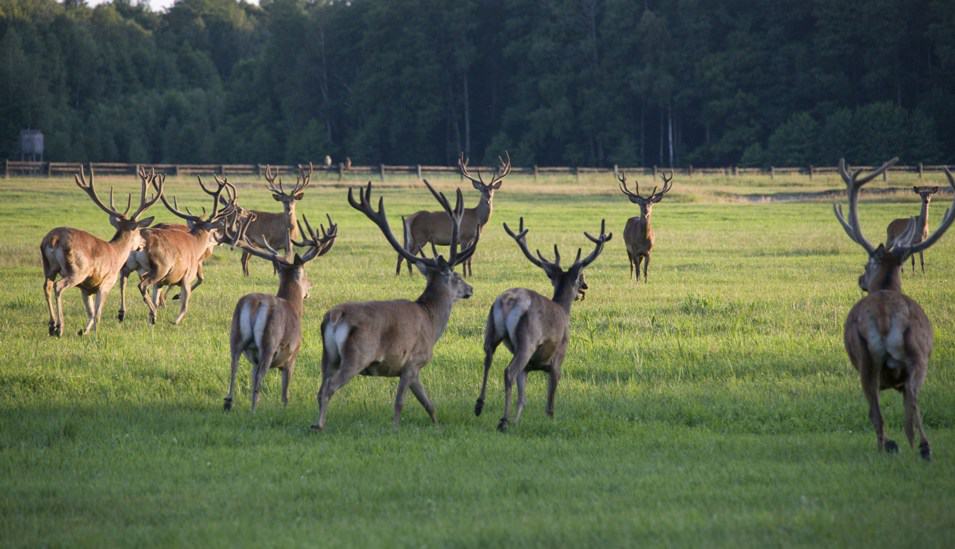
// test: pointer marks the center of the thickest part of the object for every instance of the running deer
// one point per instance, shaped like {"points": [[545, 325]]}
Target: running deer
{"points": [[92, 264], [172, 256], [267, 329], [887, 335], [394, 338], [638, 233], [898, 226], [424, 227], [535, 329], [273, 226]]}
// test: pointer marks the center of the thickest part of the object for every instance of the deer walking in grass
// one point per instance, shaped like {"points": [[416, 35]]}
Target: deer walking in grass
{"points": [[172, 255], [88, 262], [267, 329], [534, 328], [424, 227], [273, 226], [638, 233], [898, 226], [394, 338], [887, 335]]}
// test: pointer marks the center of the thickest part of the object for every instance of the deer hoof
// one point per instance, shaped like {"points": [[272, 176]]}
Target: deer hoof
{"points": [[52, 328], [228, 404], [479, 406], [175, 297], [891, 447], [121, 316], [316, 428], [925, 451], [502, 426]]}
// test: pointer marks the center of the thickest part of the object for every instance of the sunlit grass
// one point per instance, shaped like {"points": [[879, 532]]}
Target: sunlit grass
{"points": [[714, 406]]}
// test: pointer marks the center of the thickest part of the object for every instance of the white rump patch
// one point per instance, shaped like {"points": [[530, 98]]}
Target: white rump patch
{"points": [[261, 317]]}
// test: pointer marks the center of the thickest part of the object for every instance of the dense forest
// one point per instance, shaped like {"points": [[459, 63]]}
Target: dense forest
{"points": [[557, 82]]}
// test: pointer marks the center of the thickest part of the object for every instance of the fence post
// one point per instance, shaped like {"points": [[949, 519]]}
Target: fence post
{"points": [[6, 168], [175, 169], [735, 170], [418, 167], [772, 172], [341, 170], [49, 169], [381, 172], [885, 176], [810, 172], [921, 169], [576, 174], [535, 173], [654, 171], [689, 170]]}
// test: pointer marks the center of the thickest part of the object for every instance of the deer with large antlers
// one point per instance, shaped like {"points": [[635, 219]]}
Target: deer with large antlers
{"points": [[898, 226], [171, 256], [534, 328], [273, 226], [267, 329], [887, 335], [423, 227], [638, 233], [394, 338], [83, 260]]}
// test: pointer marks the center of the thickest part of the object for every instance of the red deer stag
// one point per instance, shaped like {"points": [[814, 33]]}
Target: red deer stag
{"points": [[267, 329], [535, 329], [887, 335], [638, 233], [273, 226], [394, 338], [424, 227], [92, 264], [171, 256], [898, 226]]}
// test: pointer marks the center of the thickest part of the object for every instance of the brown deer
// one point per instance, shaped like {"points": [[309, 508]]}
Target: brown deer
{"points": [[267, 329], [535, 329], [273, 226], [887, 335], [897, 226], [394, 338], [638, 233], [424, 227], [172, 256], [90, 263]]}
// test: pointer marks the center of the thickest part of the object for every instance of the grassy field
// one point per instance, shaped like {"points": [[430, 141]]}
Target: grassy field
{"points": [[714, 406]]}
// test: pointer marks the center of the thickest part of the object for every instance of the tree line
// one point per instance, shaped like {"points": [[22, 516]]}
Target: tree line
{"points": [[557, 82]]}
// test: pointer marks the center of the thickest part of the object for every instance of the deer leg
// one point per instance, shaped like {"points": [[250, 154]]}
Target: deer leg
{"points": [[521, 395], [245, 263], [418, 389], [234, 368], [630, 262], [646, 265], [266, 356], [200, 277], [636, 266], [90, 312], [513, 370], [552, 388], [144, 291], [123, 280], [48, 293], [185, 292], [101, 294], [921, 261], [491, 341], [286, 379], [332, 381], [870, 387], [913, 416], [59, 287], [403, 382]]}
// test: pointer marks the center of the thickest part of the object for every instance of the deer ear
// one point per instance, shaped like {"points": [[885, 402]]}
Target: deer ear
{"points": [[299, 195], [146, 221], [277, 198], [114, 221], [498, 185], [476, 185], [298, 260]]}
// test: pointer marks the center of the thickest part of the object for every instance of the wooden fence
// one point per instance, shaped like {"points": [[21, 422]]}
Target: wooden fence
{"points": [[14, 168]]}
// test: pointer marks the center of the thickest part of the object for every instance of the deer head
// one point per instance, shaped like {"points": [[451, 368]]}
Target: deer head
{"points": [[882, 269], [223, 210], [288, 197], [123, 221], [572, 279], [486, 189], [645, 202]]}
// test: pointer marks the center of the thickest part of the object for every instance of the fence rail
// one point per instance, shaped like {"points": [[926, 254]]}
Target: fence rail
{"points": [[14, 168]]}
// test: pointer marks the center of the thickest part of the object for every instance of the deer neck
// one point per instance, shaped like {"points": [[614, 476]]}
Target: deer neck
{"points": [[291, 290], [290, 218], [436, 300], [565, 292], [924, 217], [483, 209], [123, 242], [888, 277]]}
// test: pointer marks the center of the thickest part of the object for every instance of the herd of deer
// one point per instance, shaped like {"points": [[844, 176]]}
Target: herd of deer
{"points": [[887, 334]]}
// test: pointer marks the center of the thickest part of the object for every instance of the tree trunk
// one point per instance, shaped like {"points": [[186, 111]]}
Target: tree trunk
{"points": [[643, 133], [467, 117], [670, 131]]}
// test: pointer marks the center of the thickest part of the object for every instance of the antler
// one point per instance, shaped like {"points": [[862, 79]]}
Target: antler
{"points": [[239, 240], [144, 204], [906, 244], [222, 185], [635, 196], [667, 185], [521, 239], [502, 171], [598, 241], [318, 243], [854, 183], [543, 263], [301, 181]]}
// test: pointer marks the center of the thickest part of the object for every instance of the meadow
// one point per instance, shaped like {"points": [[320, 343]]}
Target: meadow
{"points": [[714, 406]]}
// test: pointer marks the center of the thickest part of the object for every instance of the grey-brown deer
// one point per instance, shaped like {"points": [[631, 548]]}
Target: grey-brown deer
{"points": [[88, 262], [394, 338], [534, 328], [171, 256], [887, 335], [638, 233], [267, 329], [425, 227], [898, 226], [273, 226]]}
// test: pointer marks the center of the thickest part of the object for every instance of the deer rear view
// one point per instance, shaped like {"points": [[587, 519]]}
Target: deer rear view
{"points": [[887, 335], [534, 328], [394, 338]]}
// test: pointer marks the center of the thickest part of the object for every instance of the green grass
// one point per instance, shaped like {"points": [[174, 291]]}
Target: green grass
{"points": [[714, 406]]}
